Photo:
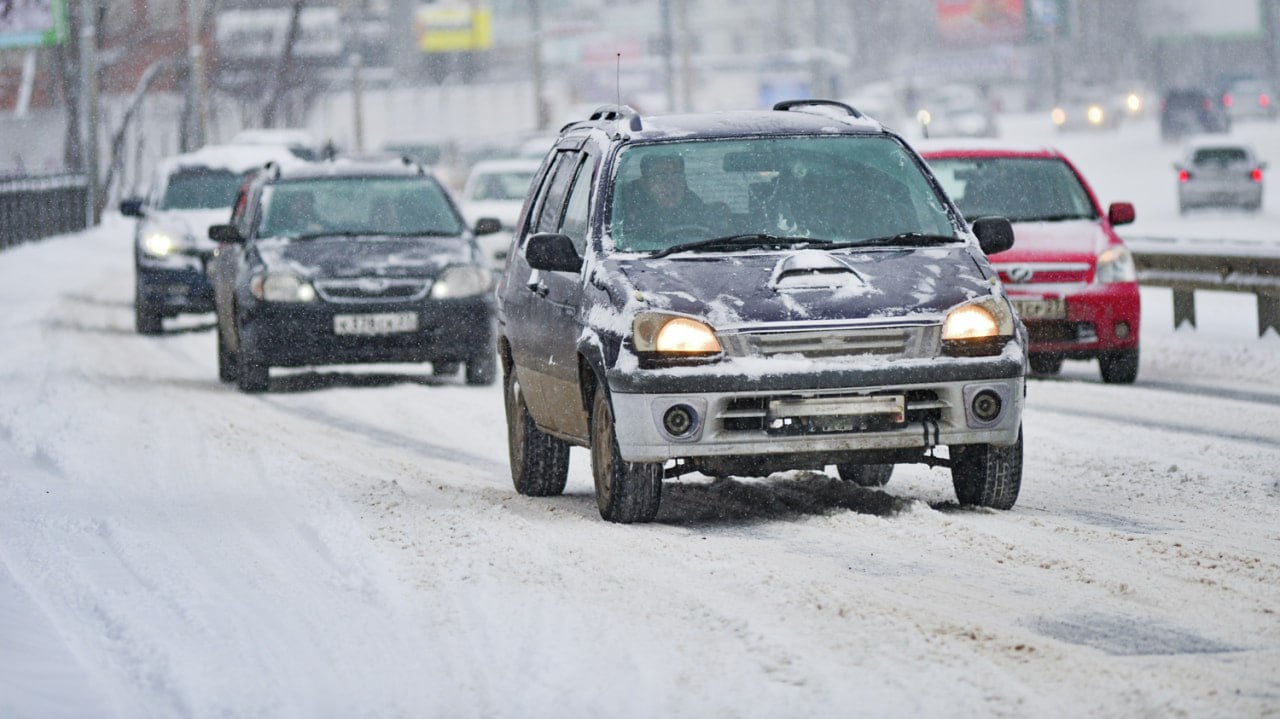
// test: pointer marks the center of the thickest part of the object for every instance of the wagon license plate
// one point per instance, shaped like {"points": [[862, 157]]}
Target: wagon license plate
{"points": [[1041, 309], [383, 323]]}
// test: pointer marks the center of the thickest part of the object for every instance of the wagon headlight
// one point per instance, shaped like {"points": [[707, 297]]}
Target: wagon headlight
{"points": [[674, 336], [159, 243], [1116, 265], [460, 281], [981, 327], [281, 287]]}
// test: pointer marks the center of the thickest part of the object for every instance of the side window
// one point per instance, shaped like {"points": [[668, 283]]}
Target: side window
{"points": [[551, 205], [574, 223]]}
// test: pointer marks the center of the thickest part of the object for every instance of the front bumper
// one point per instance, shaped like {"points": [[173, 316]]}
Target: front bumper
{"points": [[788, 413], [301, 334], [1099, 318], [174, 290]]}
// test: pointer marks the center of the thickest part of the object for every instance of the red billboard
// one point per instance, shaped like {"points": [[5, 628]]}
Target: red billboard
{"points": [[981, 22]]}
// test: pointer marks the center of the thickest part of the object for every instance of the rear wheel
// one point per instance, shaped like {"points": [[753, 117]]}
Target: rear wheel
{"points": [[1119, 367], [539, 462], [482, 369], [987, 475], [625, 491], [1046, 363], [865, 475]]}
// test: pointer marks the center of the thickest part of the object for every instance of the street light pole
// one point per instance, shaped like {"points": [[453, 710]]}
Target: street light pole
{"points": [[195, 53], [89, 108]]}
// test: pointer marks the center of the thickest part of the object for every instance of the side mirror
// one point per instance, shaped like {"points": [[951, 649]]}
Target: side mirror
{"points": [[131, 207], [553, 253], [995, 234], [225, 233], [1121, 213], [487, 226]]}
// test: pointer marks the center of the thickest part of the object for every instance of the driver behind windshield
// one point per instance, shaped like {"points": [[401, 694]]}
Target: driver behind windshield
{"points": [[660, 201]]}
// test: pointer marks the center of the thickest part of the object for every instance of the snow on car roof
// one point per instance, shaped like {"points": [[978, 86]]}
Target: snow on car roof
{"points": [[980, 146], [234, 158], [506, 164]]}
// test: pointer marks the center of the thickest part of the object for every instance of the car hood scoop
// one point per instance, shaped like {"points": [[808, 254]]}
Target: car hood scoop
{"points": [[814, 270]]}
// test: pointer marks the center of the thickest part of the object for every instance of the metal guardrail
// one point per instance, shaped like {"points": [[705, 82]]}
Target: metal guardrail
{"points": [[33, 208], [1227, 268]]}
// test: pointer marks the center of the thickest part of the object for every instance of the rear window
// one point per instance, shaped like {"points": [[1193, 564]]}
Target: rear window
{"points": [[200, 188], [1219, 156], [1021, 189]]}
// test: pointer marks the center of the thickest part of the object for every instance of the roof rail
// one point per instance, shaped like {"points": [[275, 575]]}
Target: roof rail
{"points": [[786, 105], [273, 167], [616, 113]]}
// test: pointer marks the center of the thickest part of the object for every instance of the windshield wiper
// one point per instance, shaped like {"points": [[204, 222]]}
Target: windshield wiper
{"points": [[751, 239], [902, 239], [1054, 218]]}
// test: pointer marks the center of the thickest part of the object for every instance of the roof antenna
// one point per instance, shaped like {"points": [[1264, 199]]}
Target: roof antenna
{"points": [[617, 79]]}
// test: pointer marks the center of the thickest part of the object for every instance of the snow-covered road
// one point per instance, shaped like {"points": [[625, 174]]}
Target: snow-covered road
{"points": [[349, 544]]}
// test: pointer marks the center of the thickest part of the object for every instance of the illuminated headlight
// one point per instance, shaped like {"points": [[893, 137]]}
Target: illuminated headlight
{"points": [[460, 281], [980, 327], [1133, 101], [1059, 116], [674, 335], [924, 117], [1096, 115], [276, 287], [1116, 265], [158, 243]]}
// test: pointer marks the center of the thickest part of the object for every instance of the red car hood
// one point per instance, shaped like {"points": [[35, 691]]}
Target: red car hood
{"points": [[1072, 240]]}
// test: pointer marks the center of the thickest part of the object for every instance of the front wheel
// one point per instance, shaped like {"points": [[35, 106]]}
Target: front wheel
{"points": [[987, 475], [1046, 363], [865, 475], [539, 462], [482, 369], [626, 492], [1119, 367], [251, 375], [146, 319], [227, 370]]}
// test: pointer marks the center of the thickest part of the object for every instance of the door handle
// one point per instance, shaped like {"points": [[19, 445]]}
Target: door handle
{"points": [[539, 288]]}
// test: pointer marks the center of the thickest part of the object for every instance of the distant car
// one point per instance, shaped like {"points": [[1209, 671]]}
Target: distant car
{"points": [[1249, 99], [497, 188], [1070, 276], [956, 110], [742, 293], [1220, 174], [1187, 112], [300, 142], [880, 101], [1087, 108], [344, 262], [188, 193]]}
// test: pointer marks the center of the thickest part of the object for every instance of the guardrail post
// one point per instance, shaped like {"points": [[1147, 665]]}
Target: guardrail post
{"points": [[1184, 307], [1268, 313]]}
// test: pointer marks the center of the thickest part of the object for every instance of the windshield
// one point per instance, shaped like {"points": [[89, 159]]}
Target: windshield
{"points": [[823, 189], [1020, 188], [357, 206], [200, 188]]}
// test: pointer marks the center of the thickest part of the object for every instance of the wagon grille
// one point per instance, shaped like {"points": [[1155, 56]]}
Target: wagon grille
{"points": [[373, 290], [901, 341]]}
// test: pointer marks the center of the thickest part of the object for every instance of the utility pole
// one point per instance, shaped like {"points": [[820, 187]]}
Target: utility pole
{"points": [[89, 111], [196, 107], [668, 72], [539, 91], [357, 100], [686, 69]]}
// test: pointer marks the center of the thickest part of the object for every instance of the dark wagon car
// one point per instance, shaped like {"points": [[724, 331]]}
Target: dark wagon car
{"points": [[346, 262], [742, 293]]}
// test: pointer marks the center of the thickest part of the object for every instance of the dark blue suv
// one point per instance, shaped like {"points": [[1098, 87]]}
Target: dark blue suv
{"points": [[742, 293]]}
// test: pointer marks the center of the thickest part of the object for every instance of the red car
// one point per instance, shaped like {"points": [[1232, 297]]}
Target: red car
{"points": [[1071, 278]]}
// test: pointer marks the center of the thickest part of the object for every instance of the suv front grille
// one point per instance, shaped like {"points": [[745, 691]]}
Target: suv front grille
{"points": [[375, 289], [899, 341]]}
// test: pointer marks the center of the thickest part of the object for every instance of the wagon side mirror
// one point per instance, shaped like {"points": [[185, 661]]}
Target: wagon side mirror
{"points": [[995, 234]]}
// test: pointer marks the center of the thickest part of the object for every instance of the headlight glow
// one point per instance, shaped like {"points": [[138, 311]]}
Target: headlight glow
{"points": [[674, 335], [1116, 265], [980, 327], [159, 244], [1059, 116], [460, 281], [279, 287], [970, 322], [924, 117], [1134, 102], [1096, 115]]}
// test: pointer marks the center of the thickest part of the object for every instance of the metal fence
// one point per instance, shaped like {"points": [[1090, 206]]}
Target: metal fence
{"points": [[32, 208]]}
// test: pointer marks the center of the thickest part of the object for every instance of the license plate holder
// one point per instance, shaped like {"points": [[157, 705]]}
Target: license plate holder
{"points": [[1041, 309], [375, 323]]}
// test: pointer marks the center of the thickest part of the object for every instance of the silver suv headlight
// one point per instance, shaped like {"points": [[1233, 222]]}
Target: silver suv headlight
{"points": [[461, 281], [979, 327], [281, 287], [160, 243], [1115, 264]]}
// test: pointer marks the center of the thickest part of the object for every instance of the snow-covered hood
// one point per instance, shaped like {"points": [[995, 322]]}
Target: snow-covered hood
{"points": [[376, 256], [188, 225], [1071, 240], [804, 285]]}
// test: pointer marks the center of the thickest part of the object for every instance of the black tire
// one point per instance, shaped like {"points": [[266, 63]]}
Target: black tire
{"points": [[539, 462], [1046, 363], [444, 369], [1119, 367], [227, 367], [626, 492], [987, 475], [866, 475], [251, 375], [146, 319], [482, 369]]}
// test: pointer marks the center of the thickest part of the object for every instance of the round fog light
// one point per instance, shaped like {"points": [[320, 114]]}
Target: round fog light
{"points": [[987, 405], [1122, 330], [680, 420]]}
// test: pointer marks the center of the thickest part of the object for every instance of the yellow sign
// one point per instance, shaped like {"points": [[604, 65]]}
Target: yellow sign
{"points": [[453, 29]]}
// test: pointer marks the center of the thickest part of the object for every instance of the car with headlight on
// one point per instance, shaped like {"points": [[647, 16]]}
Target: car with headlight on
{"points": [[188, 193], [1087, 108], [350, 262], [747, 292], [497, 188], [1070, 276]]}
